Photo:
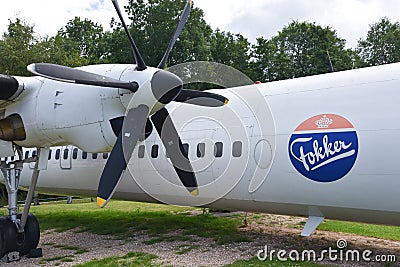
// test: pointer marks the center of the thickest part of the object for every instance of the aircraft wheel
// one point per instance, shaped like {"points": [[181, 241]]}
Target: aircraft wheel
{"points": [[29, 239], [8, 233], [2, 242]]}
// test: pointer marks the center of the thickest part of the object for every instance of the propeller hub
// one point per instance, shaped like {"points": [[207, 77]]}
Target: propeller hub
{"points": [[166, 86]]}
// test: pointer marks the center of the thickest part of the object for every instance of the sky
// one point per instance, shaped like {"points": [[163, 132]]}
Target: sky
{"points": [[252, 18]]}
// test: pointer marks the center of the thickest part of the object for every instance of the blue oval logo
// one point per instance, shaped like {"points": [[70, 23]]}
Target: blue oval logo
{"points": [[324, 148]]}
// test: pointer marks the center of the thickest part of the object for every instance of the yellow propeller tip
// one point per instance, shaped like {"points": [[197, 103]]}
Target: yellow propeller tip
{"points": [[195, 192], [226, 102], [101, 202]]}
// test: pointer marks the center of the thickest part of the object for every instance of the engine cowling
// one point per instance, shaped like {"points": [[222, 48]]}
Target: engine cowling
{"points": [[54, 113]]}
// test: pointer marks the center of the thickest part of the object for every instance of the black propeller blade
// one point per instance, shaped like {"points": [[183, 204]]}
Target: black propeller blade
{"points": [[200, 98], [134, 125], [179, 27], [70, 75], [175, 150], [139, 60]]}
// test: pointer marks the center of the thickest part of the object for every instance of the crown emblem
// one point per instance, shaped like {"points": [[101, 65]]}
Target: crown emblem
{"points": [[324, 122]]}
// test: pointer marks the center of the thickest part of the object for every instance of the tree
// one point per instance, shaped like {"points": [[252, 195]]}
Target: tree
{"points": [[152, 25], [232, 50], [382, 44], [301, 49], [86, 36], [15, 48]]}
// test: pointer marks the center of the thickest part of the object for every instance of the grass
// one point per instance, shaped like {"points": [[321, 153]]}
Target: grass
{"points": [[371, 230], [132, 259], [121, 219]]}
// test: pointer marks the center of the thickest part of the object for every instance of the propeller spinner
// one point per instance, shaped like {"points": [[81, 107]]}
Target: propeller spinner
{"points": [[165, 87]]}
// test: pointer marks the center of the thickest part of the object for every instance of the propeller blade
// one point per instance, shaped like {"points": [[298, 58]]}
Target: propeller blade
{"points": [[179, 27], [138, 58], [70, 75], [121, 153], [200, 98], [173, 145]]}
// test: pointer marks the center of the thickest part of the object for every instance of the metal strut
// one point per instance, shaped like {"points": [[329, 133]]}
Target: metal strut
{"points": [[11, 172]]}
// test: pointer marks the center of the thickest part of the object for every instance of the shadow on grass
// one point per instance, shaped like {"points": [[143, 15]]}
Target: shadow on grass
{"points": [[124, 224]]}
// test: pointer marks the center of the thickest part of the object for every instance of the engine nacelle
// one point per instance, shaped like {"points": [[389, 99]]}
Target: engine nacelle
{"points": [[55, 113]]}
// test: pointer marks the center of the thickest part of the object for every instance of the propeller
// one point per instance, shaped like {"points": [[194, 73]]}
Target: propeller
{"points": [[70, 75], [181, 24], [165, 87]]}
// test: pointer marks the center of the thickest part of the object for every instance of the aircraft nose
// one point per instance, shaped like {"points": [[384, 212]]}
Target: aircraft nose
{"points": [[166, 86]]}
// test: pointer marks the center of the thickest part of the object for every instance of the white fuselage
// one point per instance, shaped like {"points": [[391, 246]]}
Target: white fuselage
{"points": [[245, 154]]}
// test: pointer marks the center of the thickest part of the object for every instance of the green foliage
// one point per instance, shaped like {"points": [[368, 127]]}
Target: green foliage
{"points": [[19, 47], [301, 49], [152, 24], [86, 37], [382, 44], [232, 50]]}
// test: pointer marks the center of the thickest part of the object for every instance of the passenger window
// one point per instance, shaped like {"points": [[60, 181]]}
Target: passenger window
{"points": [[154, 151], [84, 155], [94, 155], [105, 155], [65, 154], [75, 153], [201, 150], [34, 153], [26, 154], [57, 154], [237, 149], [218, 147], [49, 158], [141, 151], [12, 158], [185, 150]]}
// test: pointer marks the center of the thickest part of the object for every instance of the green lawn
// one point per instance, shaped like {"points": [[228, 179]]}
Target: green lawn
{"points": [[122, 218]]}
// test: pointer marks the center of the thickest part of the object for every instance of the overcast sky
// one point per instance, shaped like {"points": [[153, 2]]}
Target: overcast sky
{"points": [[252, 18]]}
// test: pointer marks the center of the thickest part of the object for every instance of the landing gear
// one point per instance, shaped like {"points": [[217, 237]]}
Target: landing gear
{"points": [[20, 232]]}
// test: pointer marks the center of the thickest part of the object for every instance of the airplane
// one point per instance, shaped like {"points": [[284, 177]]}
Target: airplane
{"points": [[321, 147]]}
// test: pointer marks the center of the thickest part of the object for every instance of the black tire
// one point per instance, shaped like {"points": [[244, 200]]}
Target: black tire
{"points": [[8, 233], [29, 239], [2, 242]]}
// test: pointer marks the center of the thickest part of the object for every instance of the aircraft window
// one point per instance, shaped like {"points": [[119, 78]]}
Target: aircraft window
{"points": [[57, 154], [12, 158], [105, 155], [84, 155], [26, 154], [186, 149], [218, 147], [237, 149], [201, 150], [49, 158], [34, 153], [75, 153], [141, 151], [154, 151], [94, 155], [65, 154]]}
